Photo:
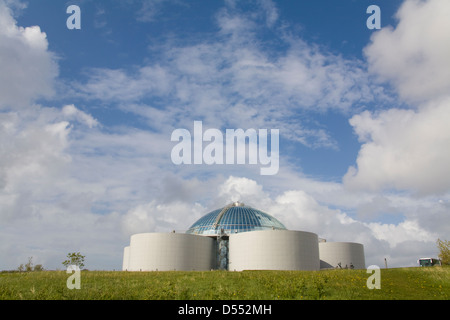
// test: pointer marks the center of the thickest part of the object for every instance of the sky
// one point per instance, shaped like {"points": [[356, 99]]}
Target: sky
{"points": [[87, 116]]}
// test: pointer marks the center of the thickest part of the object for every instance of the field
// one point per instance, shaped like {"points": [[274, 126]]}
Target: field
{"points": [[396, 284]]}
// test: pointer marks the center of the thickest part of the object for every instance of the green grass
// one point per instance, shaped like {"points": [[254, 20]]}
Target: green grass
{"points": [[403, 283]]}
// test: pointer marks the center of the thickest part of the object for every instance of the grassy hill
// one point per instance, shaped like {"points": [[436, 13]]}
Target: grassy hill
{"points": [[431, 283]]}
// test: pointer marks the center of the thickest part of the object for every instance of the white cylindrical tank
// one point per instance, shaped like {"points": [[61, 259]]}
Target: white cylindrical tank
{"points": [[273, 250], [126, 258], [171, 251], [344, 253]]}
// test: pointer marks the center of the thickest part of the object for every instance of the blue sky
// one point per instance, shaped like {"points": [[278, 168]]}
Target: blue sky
{"points": [[115, 36], [86, 118]]}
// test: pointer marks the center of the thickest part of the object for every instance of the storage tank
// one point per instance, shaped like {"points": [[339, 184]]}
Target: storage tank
{"points": [[341, 255], [170, 251], [273, 250], [126, 258]]}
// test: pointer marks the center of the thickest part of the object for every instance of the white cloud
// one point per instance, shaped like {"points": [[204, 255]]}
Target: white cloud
{"points": [[71, 111], [271, 12], [403, 149], [238, 189], [32, 156], [117, 85], [161, 217], [407, 149], [67, 183], [28, 68], [401, 168], [97, 197], [231, 79], [408, 230], [414, 54], [149, 10]]}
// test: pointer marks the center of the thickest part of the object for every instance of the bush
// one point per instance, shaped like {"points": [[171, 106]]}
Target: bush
{"points": [[28, 267], [38, 267], [444, 251]]}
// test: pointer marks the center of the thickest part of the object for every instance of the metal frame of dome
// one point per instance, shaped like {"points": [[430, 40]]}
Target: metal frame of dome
{"points": [[233, 218]]}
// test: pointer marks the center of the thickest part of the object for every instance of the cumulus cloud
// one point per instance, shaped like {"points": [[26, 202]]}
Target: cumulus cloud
{"points": [[401, 168], [67, 184], [44, 210], [161, 217], [35, 162], [414, 55], [408, 230], [28, 68], [238, 189], [64, 181], [403, 149], [407, 149]]}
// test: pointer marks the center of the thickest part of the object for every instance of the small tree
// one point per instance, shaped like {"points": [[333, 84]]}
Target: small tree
{"points": [[444, 251], [74, 258], [29, 265]]}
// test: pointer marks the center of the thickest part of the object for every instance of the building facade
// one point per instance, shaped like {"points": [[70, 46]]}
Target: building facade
{"points": [[238, 237]]}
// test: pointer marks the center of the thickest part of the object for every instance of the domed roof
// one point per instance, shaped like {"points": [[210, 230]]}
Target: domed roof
{"points": [[236, 217]]}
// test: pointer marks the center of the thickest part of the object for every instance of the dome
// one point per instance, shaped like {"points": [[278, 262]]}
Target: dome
{"points": [[236, 217]]}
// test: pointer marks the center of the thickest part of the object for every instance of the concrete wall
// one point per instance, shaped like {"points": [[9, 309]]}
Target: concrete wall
{"points": [[273, 250], [345, 253], [170, 251], [256, 250], [126, 258]]}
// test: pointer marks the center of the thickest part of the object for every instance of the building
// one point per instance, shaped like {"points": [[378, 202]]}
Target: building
{"points": [[238, 237]]}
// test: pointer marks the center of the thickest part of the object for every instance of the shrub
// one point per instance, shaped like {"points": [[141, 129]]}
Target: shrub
{"points": [[444, 251]]}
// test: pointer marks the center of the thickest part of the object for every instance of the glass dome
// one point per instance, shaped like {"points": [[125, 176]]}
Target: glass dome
{"points": [[236, 217]]}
